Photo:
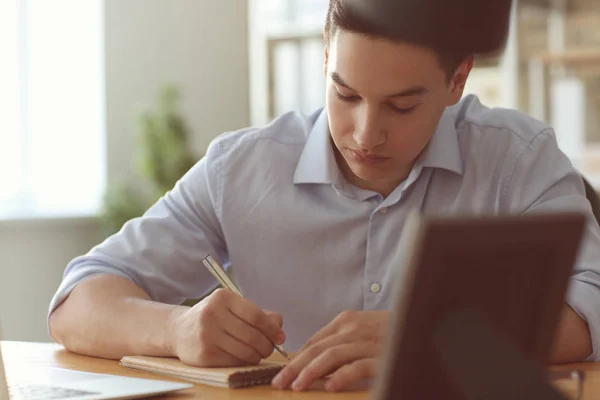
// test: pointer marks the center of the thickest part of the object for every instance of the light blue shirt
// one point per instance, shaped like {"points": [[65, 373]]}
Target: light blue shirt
{"points": [[304, 242]]}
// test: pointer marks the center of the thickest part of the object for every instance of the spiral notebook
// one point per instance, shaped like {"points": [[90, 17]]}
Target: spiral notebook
{"points": [[235, 377]]}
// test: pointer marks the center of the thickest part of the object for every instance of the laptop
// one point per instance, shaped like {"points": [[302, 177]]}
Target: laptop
{"points": [[38, 383], [477, 302]]}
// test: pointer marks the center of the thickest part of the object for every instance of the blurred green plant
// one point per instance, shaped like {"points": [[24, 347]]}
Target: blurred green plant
{"points": [[162, 157]]}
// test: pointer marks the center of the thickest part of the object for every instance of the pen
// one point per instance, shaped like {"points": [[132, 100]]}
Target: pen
{"points": [[221, 276]]}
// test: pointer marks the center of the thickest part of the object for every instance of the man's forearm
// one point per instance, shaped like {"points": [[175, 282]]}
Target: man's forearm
{"points": [[573, 341], [109, 316]]}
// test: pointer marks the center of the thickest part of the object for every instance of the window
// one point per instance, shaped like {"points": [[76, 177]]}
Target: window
{"points": [[51, 107], [9, 99], [559, 71], [286, 57], [550, 68]]}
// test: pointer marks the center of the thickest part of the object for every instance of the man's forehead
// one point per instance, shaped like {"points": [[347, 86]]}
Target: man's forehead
{"points": [[402, 65], [349, 43]]}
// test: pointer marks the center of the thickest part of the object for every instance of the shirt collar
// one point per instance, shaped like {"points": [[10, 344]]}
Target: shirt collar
{"points": [[443, 150], [317, 162]]}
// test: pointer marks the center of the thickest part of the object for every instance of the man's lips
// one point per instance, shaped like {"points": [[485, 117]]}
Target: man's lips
{"points": [[365, 158]]}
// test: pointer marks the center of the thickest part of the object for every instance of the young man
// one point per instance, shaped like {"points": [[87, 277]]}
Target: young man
{"points": [[309, 211]]}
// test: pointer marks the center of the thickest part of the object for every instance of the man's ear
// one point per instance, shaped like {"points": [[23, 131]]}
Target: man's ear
{"points": [[326, 60], [459, 80]]}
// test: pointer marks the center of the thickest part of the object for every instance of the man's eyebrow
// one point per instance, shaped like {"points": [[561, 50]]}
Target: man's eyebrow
{"points": [[338, 79], [412, 91]]}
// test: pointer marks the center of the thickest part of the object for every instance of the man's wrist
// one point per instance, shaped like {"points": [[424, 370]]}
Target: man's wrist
{"points": [[170, 340], [157, 336]]}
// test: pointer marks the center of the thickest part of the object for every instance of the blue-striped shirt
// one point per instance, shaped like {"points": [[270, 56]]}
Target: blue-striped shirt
{"points": [[304, 242]]}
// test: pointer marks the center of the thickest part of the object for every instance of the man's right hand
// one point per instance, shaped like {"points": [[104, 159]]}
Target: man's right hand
{"points": [[224, 330]]}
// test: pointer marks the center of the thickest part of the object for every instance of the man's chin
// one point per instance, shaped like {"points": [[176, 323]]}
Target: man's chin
{"points": [[369, 174]]}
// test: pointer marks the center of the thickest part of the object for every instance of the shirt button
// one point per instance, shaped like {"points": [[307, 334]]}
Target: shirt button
{"points": [[375, 287], [383, 210]]}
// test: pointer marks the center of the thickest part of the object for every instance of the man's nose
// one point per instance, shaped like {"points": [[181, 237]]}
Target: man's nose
{"points": [[368, 133]]}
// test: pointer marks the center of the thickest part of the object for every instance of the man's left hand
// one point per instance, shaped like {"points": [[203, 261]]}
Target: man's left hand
{"points": [[347, 350]]}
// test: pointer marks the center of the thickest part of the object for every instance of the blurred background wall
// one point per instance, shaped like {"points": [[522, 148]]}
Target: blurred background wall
{"points": [[202, 46]]}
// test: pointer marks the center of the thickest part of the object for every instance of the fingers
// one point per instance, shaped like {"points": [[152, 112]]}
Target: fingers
{"points": [[276, 317], [326, 363], [351, 373], [237, 349], [207, 347], [254, 316], [322, 359], [225, 329], [323, 333], [248, 335]]}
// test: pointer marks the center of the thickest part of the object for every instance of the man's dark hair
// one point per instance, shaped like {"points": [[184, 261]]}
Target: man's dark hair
{"points": [[444, 26]]}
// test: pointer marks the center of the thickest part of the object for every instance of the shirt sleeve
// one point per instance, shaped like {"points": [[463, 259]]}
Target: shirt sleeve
{"points": [[544, 180], [162, 251]]}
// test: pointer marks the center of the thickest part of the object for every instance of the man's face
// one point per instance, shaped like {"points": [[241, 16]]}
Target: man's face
{"points": [[384, 102]]}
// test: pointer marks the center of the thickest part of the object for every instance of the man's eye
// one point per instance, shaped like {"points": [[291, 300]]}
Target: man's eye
{"points": [[400, 110], [348, 99]]}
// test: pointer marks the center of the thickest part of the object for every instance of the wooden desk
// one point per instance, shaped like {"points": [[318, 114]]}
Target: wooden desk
{"points": [[46, 354]]}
